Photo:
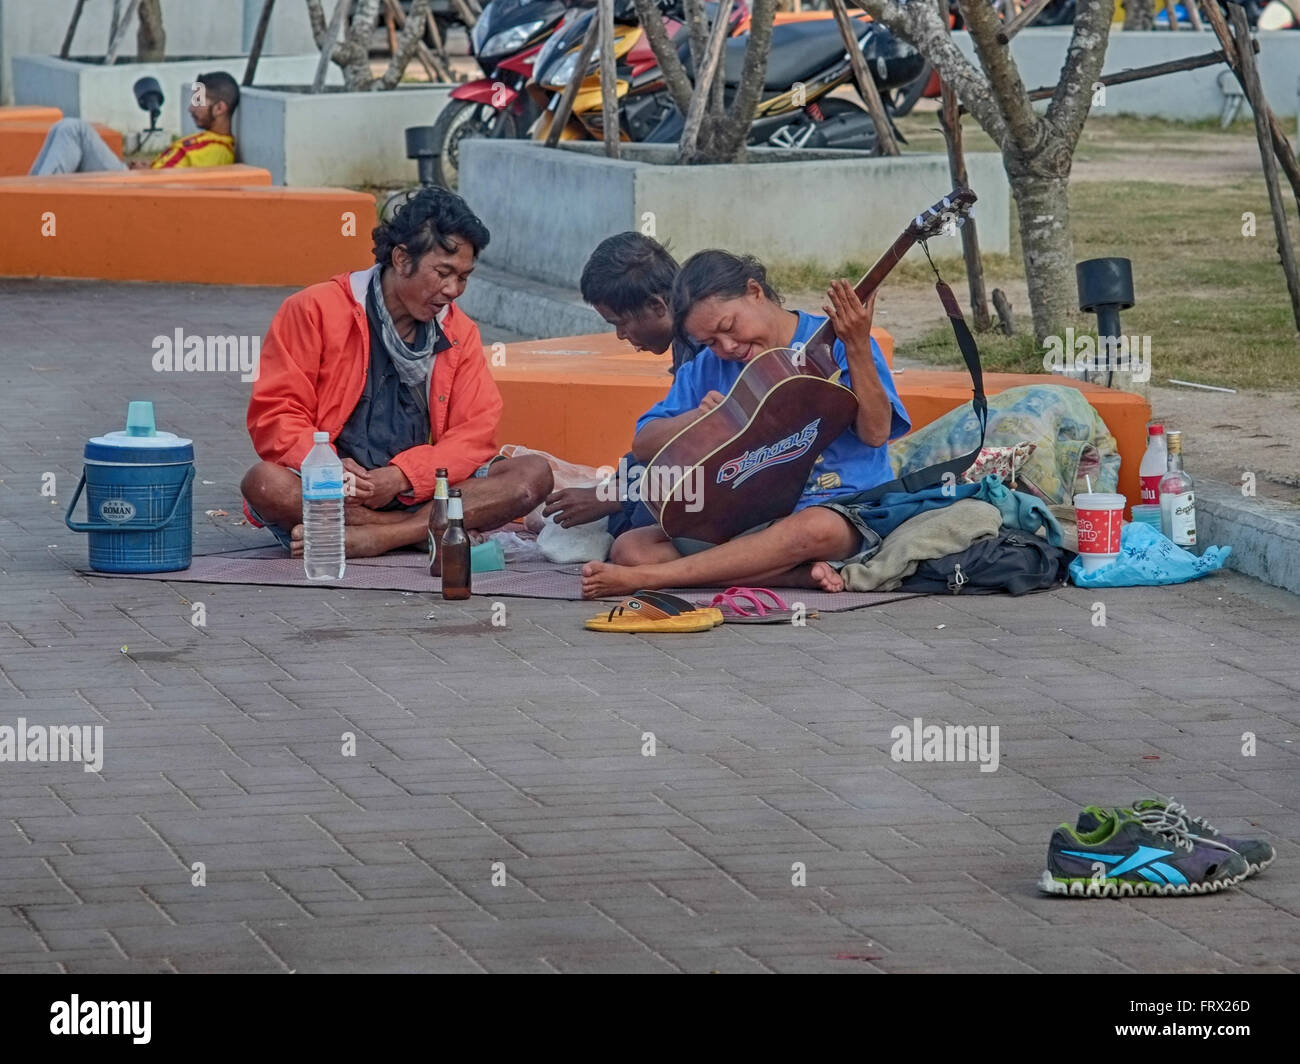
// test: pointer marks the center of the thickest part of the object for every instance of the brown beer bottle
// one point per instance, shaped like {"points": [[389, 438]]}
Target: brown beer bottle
{"points": [[454, 551], [437, 522]]}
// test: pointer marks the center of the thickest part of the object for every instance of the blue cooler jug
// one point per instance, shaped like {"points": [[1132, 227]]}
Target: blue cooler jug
{"points": [[139, 498]]}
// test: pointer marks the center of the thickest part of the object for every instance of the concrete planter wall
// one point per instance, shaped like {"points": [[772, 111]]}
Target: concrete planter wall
{"points": [[36, 27], [335, 138], [1189, 95], [547, 209], [103, 94]]}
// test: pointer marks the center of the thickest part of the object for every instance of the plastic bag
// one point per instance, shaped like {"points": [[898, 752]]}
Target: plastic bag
{"points": [[566, 474], [518, 548], [1147, 558], [581, 543]]}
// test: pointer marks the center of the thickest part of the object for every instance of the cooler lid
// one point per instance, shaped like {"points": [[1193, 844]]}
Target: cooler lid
{"points": [[163, 448]]}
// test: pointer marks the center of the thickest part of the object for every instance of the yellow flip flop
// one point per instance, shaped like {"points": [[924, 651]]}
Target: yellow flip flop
{"points": [[653, 611]]}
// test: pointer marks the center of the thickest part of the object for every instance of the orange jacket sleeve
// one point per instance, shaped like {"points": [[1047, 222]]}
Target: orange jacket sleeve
{"points": [[282, 411], [473, 416]]}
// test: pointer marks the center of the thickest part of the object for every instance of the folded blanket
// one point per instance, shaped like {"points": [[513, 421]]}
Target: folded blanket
{"points": [[930, 534], [1070, 438]]}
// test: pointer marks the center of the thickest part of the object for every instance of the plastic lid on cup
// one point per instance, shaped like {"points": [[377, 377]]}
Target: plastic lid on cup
{"points": [[1099, 500]]}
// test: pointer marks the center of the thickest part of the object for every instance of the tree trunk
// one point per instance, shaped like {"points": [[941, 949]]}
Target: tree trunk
{"points": [[353, 54], [150, 37], [407, 44], [1141, 14], [1043, 208]]}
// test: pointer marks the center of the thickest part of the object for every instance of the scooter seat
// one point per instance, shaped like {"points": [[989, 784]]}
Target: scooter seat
{"points": [[799, 50]]}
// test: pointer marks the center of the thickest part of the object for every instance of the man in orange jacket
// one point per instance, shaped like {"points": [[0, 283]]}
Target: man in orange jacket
{"points": [[386, 363]]}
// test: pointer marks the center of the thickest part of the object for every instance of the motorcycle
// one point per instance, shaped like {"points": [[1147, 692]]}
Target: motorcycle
{"points": [[636, 68], [505, 41], [807, 62]]}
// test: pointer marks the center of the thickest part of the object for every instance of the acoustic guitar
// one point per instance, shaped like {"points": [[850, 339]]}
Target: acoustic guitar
{"points": [[747, 461]]}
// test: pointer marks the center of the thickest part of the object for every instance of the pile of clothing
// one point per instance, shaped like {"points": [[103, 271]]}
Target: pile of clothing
{"points": [[979, 538]]}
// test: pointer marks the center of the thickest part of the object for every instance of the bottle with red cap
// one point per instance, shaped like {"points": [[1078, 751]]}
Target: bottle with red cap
{"points": [[1155, 463]]}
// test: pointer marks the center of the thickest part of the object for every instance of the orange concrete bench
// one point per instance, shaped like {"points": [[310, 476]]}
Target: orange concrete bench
{"points": [[143, 230], [237, 175], [30, 113], [578, 397], [20, 143]]}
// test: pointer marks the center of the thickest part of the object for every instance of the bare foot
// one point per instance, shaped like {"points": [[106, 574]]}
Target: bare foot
{"points": [[356, 514], [359, 541], [824, 576], [600, 579]]}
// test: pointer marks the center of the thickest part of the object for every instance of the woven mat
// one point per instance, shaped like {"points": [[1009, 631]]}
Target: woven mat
{"points": [[407, 571]]}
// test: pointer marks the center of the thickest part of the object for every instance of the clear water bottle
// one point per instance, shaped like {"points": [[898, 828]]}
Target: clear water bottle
{"points": [[322, 511]]}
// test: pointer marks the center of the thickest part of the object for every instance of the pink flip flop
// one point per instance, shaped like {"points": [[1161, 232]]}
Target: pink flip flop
{"points": [[743, 605]]}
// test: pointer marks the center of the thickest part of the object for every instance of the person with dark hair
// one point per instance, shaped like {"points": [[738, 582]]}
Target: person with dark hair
{"points": [[628, 280], [73, 146], [385, 362], [726, 302]]}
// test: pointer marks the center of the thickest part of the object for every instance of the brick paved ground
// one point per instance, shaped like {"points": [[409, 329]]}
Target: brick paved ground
{"points": [[523, 745]]}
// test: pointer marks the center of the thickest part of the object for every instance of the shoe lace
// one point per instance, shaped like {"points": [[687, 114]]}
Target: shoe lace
{"points": [[1181, 811], [1168, 825], [1171, 822]]}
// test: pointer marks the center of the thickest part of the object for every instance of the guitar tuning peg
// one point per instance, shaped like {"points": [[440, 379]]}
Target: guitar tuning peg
{"points": [[947, 202], [920, 220]]}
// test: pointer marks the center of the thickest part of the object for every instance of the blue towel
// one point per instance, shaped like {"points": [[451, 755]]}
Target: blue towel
{"points": [[1147, 558], [1019, 510], [895, 507]]}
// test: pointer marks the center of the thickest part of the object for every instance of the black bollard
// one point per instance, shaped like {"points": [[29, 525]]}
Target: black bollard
{"points": [[421, 146], [149, 95], [1105, 288]]}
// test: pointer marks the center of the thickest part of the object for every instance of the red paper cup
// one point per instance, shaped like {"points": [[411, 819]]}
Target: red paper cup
{"points": [[1100, 516]]}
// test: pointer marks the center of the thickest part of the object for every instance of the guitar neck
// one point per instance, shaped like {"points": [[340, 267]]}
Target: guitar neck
{"points": [[872, 280]]}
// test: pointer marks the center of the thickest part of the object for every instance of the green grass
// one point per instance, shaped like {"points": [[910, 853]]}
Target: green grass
{"points": [[913, 270], [1213, 301]]}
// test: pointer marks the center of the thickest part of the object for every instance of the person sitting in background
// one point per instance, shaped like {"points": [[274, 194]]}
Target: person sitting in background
{"points": [[385, 362], [628, 280], [72, 145]]}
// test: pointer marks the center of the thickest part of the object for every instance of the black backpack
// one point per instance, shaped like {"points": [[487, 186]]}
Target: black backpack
{"points": [[1012, 561]]}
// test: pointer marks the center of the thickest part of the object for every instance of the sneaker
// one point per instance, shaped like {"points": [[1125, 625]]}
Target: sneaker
{"points": [[1258, 853], [1127, 855]]}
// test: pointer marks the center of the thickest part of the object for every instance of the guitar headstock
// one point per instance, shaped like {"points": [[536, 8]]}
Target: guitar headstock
{"points": [[945, 216]]}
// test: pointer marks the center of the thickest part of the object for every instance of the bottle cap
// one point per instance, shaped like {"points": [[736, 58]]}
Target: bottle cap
{"points": [[1155, 430], [455, 507], [442, 472], [1175, 443], [139, 418], [320, 437]]}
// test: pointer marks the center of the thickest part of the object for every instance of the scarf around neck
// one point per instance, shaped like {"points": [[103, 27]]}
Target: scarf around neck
{"points": [[413, 364]]}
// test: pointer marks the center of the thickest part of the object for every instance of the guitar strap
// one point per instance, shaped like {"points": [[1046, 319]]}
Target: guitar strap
{"points": [[933, 476]]}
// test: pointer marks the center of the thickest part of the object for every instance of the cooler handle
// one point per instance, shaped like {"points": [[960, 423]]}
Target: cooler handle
{"points": [[91, 526]]}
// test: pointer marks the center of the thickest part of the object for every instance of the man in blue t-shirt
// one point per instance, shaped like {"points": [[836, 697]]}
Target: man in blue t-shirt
{"points": [[628, 280], [726, 304]]}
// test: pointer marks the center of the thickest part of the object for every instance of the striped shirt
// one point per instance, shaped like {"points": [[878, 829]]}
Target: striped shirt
{"points": [[204, 148]]}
